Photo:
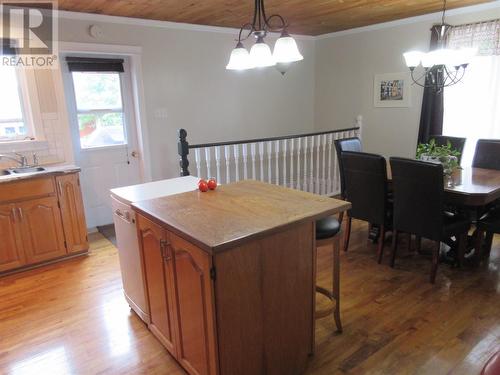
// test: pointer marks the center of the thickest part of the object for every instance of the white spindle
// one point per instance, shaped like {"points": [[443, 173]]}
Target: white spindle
{"points": [[318, 144], [252, 151], [305, 184], [236, 150], [323, 175], [284, 162], [277, 159], [197, 160], [244, 151], [330, 166], [208, 161], [299, 141], [227, 156], [292, 141], [261, 159], [311, 173], [217, 162], [269, 161]]}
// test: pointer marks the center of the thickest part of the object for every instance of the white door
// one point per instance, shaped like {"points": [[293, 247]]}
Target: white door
{"points": [[104, 135]]}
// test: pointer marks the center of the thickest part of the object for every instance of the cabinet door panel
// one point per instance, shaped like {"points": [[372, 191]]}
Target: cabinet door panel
{"points": [[72, 212], [196, 338], [158, 280], [11, 250], [43, 236]]}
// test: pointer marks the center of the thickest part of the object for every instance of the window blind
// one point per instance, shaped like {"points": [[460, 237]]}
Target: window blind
{"points": [[91, 64]]}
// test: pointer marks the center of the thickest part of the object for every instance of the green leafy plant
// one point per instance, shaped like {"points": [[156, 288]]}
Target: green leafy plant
{"points": [[445, 154]]}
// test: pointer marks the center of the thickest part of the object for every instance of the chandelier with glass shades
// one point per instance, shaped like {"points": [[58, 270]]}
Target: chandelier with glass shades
{"points": [[442, 67], [285, 49]]}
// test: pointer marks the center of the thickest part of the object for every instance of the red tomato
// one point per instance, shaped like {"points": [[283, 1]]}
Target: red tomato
{"points": [[212, 184], [201, 180], [203, 186]]}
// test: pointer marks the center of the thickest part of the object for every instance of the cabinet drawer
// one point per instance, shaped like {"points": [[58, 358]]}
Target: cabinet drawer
{"points": [[26, 189]]}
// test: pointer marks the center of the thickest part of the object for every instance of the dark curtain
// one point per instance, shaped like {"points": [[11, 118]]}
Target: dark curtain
{"points": [[91, 64], [431, 116]]}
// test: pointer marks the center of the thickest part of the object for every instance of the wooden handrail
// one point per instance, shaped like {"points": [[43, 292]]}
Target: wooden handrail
{"points": [[257, 140]]}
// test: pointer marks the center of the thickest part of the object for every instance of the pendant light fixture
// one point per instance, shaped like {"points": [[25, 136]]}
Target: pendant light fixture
{"points": [[442, 67], [260, 56]]}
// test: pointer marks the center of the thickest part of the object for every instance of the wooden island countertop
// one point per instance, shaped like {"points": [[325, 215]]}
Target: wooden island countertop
{"points": [[236, 212], [230, 276]]}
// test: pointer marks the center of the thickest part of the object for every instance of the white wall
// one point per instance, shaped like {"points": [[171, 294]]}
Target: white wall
{"points": [[346, 64], [185, 78]]}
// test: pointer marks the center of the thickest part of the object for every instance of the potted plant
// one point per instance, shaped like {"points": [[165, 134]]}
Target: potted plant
{"points": [[445, 155]]}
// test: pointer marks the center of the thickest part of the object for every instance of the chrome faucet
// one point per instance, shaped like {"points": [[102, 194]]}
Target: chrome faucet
{"points": [[21, 159]]}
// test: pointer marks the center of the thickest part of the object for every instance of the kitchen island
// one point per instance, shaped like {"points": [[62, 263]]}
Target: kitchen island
{"points": [[230, 276]]}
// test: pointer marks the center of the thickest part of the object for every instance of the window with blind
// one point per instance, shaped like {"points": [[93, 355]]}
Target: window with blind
{"points": [[471, 107], [99, 105]]}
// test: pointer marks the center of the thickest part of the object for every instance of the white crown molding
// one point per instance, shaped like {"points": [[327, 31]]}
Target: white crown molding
{"points": [[91, 17], [434, 17]]}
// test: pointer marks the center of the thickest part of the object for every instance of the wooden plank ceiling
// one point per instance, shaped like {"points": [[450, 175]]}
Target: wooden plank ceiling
{"points": [[307, 17]]}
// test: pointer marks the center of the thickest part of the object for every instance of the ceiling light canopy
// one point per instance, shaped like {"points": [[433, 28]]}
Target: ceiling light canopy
{"points": [[260, 56], [442, 66]]}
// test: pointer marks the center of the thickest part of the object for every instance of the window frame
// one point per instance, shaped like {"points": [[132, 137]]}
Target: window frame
{"points": [[74, 112], [27, 101]]}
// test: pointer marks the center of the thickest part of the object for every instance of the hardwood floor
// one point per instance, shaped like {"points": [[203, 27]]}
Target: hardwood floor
{"points": [[71, 317]]}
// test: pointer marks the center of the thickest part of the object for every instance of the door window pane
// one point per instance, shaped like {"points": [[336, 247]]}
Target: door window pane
{"points": [[11, 110], [99, 109]]}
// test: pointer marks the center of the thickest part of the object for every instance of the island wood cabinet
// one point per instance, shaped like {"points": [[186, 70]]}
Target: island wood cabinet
{"points": [[180, 294], [37, 221], [230, 276]]}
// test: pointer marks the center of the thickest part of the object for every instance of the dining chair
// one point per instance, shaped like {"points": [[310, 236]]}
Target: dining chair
{"points": [[489, 224], [366, 188], [456, 143], [418, 189], [487, 154], [346, 144], [327, 234]]}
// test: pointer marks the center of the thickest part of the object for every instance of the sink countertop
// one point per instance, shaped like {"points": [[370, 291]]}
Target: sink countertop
{"points": [[49, 171]]}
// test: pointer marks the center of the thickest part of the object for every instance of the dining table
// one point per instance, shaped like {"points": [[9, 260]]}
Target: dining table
{"points": [[468, 189]]}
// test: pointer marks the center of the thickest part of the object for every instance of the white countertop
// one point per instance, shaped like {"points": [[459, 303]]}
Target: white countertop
{"points": [[157, 189]]}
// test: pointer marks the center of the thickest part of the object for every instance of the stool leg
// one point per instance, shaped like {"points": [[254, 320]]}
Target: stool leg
{"points": [[381, 240], [336, 282]]}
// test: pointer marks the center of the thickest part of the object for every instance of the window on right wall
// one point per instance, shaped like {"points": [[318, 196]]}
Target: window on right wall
{"points": [[472, 107]]}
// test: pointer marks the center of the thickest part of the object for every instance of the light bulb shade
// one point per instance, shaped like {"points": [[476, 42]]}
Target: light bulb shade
{"points": [[286, 50], [261, 56], [413, 58], [240, 59]]}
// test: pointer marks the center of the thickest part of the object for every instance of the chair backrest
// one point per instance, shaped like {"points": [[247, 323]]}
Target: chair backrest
{"points": [[487, 154], [418, 189], [366, 185], [457, 143], [346, 144]]}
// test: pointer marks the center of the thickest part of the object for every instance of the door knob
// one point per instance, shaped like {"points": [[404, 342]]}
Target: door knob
{"points": [[134, 154]]}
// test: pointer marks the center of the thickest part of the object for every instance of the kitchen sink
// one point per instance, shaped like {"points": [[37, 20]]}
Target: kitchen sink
{"points": [[26, 170]]}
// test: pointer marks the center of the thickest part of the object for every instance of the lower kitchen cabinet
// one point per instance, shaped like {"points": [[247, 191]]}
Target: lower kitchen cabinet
{"points": [[159, 279], [39, 223], [11, 247], [43, 235], [180, 291]]}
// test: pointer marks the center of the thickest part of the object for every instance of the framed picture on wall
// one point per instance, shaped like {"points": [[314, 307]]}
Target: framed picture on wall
{"points": [[392, 90]]}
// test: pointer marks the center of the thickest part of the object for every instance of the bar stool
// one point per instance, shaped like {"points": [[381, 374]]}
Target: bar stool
{"points": [[327, 233]]}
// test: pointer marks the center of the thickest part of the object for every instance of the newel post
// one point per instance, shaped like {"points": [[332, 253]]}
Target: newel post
{"points": [[183, 150]]}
